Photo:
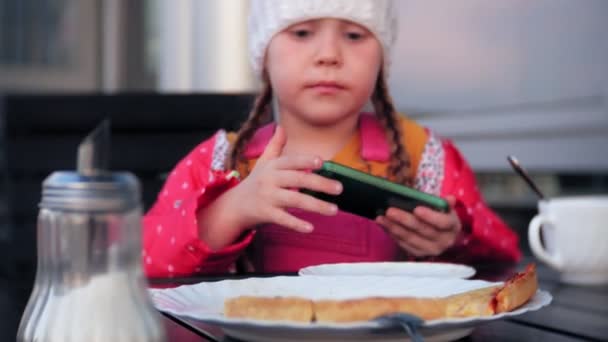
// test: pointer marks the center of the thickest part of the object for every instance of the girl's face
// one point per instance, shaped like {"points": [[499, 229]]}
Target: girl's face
{"points": [[323, 70]]}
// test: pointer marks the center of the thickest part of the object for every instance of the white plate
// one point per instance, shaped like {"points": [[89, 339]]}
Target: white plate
{"points": [[412, 269], [205, 301]]}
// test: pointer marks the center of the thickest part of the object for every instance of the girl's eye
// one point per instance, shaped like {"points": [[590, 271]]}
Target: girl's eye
{"points": [[354, 35], [301, 33]]}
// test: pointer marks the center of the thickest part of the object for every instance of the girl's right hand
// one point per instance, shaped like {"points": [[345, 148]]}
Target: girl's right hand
{"points": [[272, 187]]}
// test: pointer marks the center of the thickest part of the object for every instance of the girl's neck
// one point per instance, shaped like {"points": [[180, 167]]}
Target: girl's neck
{"points": [[324, 141]]}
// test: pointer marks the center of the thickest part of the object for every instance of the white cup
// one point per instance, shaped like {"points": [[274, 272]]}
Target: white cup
{"points": [[575, 236]]}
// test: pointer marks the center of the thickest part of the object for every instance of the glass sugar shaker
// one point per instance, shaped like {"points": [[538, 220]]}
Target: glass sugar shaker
{"points": [[89, 282]]}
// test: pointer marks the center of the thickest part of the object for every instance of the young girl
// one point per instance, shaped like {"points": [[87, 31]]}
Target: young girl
{"points": [[321, 62]]}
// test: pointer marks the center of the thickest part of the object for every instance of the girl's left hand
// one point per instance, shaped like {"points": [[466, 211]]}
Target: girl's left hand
{"points": [[425, 232]]}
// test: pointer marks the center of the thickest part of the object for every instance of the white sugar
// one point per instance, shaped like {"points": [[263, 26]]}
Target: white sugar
{"points": [[104, 309]]}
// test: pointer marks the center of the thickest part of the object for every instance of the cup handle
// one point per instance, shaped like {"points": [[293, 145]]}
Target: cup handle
{"points": [[534, 238]]}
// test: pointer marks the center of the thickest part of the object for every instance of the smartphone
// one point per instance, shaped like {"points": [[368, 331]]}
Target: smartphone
{"points": [[370, 196]]}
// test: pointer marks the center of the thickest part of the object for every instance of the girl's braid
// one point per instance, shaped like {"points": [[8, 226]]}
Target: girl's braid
{"points": [[399, 167], [260, 111]]}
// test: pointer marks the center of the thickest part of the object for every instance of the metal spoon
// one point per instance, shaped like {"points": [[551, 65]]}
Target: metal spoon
{"points": [[521, 172], [409, 323]]}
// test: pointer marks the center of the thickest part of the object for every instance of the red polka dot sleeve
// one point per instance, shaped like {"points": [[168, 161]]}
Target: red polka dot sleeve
{"points": [[171, 244], [485, 237]]}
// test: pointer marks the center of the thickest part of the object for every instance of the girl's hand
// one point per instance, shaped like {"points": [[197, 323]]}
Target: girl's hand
{"points": [[425, 232], [272, 187]]}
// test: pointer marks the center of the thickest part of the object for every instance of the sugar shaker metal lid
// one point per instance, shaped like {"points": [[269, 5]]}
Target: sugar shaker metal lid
{"points": [[92, 187]]}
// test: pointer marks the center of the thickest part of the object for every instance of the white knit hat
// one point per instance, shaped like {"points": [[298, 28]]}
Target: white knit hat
{"points": [[269, 17]]}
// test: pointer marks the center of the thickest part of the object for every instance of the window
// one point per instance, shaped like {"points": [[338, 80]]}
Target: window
{"points": [[48, 44]]}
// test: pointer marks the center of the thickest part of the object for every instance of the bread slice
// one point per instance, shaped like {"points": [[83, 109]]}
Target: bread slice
{"points": [[476, 303], [517, 291], [275, 308], [425, 308], [352, 310]]}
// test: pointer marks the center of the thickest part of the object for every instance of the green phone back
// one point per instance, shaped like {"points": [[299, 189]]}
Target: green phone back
{"points": [[369, 196]]}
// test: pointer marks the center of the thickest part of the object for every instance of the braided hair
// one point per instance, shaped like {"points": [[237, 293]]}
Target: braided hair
{"points": [[399, 167], [261, 110]]}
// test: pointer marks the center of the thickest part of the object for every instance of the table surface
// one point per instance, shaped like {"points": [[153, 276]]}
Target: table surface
{"points": [[577, 313]]}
